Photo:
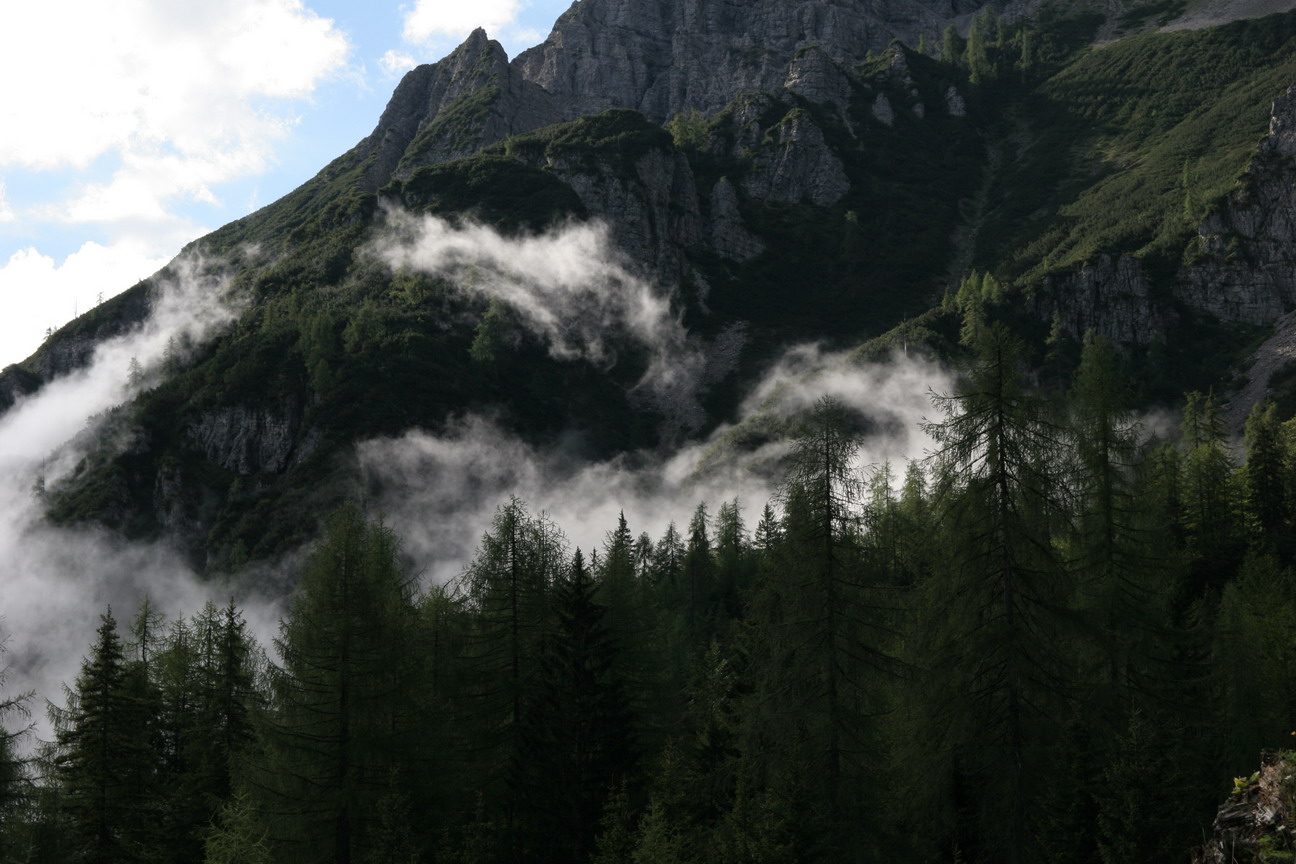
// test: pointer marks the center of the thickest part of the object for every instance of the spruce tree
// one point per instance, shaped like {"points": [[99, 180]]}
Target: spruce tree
{"points": [[817, 643], [576, 730], [341, 714], [1268, 463], [14, 789], [102, 756], [1114, 552]]}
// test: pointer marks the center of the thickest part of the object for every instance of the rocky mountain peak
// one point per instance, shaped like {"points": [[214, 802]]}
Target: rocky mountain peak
{"points": [[659, 58], [672, 55]]}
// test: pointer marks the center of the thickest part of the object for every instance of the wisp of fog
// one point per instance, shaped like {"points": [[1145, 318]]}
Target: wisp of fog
{"points": [[569, 286], [54, 581], [439, 492]]}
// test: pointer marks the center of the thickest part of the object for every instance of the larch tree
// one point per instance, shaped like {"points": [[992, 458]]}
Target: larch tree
{"points": [[996, 604]]}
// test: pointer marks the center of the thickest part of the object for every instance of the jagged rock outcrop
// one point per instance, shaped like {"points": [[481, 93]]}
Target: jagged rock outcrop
{"points": [[816, 78], [1109, 295], [252, 441], [882, 110], [666, 56], [1256, 818], [800, 166], [1247, 272], [954, 102], [452, 108], [1245, 269]]}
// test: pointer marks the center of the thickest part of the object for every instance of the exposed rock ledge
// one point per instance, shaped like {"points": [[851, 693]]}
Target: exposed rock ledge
{"points": [[1257, 815], [252, 441]]}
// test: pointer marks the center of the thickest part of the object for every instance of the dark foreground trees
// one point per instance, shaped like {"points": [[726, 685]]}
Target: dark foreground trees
{"points": [[1052, 640]]}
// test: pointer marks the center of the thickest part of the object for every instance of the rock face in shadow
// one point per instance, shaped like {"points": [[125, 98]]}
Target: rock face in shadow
{"points": [[1109, 295], [252, 441], [1247, 269]]}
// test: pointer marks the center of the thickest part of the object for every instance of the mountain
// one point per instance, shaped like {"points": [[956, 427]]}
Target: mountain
{"points": [[768, 173]]}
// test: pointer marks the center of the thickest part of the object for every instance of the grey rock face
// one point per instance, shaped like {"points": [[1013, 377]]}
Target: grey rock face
{"points": [[476, 83], [816, 78], [665, 56], [249, 441], [1248, 272], [882, 110], [954, 102], [729, 235], [1107, 295], [1245, 272], [799, 167], [654, 213]]}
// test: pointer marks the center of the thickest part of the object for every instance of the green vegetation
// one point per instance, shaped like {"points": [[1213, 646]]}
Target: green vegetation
{"points": [[1050, 641], [1125, 149]]}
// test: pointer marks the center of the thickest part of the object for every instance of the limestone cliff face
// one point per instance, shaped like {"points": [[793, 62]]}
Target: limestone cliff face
{"points": [[1248, 270], [665, 56], [654, 211], [252, 441], [452, 108], [798, 167], [658, 57], [1109, 295]]}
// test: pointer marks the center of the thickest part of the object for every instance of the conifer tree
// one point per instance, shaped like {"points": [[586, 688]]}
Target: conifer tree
{"points": [[342, 714], [1211, 499], [14, 790], [507, 589], [995, 621], [101, 753], [952, 46], [1114, 554], [817, 643], [1268, 463], [668, 561], [576, 732]]}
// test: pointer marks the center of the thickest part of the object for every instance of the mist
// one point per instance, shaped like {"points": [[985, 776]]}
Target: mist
{"points": [[571, 288], [55, 582], [439, 493]]}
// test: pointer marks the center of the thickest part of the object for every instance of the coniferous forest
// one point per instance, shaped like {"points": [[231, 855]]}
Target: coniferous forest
{"points": [[1049, 641]]}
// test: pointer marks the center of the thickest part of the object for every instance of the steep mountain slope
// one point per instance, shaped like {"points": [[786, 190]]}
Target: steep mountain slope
{"points": [[804, 186]]}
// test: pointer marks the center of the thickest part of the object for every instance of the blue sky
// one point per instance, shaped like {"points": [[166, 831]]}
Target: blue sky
{"points": [[129, 128]]}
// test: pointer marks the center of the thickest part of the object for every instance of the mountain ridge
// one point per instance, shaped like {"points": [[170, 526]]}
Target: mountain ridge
{"points": [[827, 207]]}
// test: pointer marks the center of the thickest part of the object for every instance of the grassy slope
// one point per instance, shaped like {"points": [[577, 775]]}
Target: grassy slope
{"points": [[1128, 146]]}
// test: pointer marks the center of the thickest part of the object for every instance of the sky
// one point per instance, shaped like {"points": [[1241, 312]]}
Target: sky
{"points": [[128, 129]]}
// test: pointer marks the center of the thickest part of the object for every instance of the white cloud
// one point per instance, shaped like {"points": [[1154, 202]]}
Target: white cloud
{"points": [[439, 492], [570, 287], [36, 292], [430, 19], [395, 63], [186, 95], [6, 212], [54, 582]]}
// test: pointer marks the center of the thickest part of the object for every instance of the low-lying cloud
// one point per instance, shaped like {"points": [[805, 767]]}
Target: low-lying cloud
{"points": [[440, 492], [54, 581], [568, 286]]}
